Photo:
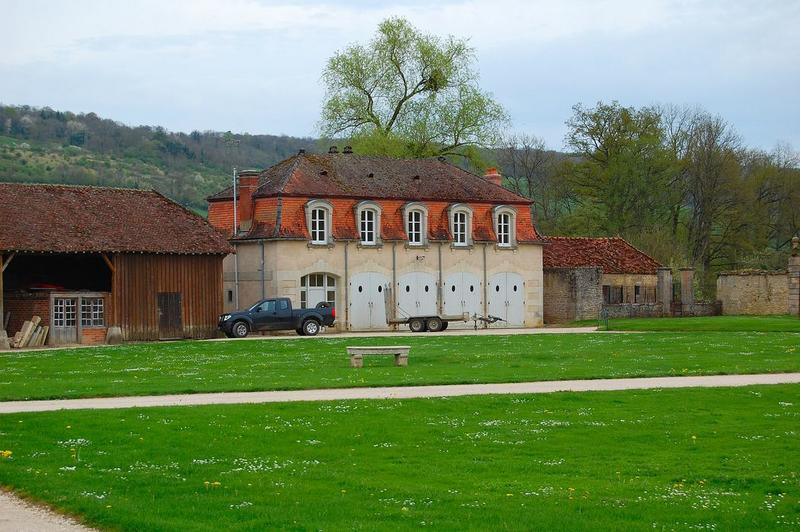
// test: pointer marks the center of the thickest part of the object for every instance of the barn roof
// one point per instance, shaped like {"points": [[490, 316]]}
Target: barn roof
{"points": [[80, 219], [359, 176], [613, 255]]}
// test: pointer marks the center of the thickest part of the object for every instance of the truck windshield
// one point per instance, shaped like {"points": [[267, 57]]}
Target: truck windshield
{"points": [[264, 306]]}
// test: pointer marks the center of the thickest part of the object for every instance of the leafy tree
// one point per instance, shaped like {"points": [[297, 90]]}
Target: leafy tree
{"points": [[409, 94]]}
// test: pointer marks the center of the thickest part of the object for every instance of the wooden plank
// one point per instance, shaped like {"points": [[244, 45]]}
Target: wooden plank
{"points": [[45, 332], [32, 341], [24, 334]]}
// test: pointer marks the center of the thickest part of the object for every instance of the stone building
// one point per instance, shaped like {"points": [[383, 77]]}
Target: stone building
{"points": [[581, 275], [343, 228]]}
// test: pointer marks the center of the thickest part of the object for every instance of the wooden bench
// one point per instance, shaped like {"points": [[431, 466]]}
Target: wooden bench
{"points": [[400, 353]]}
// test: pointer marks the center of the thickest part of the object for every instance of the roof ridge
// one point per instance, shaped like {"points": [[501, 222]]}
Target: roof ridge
{"points": [[77, 186]]}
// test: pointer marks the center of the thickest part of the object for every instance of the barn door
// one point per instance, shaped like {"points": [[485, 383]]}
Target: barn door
{"points": [[170, 319], [416, 295], [65, 321], [367, 304], [462, 294], [506, 299]]}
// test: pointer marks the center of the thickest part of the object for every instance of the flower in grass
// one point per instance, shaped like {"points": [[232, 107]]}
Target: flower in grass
{"points": [[6, 454]]}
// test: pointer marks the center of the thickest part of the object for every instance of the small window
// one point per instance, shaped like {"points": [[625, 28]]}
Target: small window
{"points": [[414, 227], [284, 305], [637, 294], [504, 229], [368, 217], [92, 312], [230, 296], [319, 229], [460, 228], [64, 312], [606, 294]]}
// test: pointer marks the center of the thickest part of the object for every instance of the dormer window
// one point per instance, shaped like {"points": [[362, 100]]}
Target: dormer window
{"points": [[318, 220], [461, 225], [504, 226], [416, 223], [368, 216]]}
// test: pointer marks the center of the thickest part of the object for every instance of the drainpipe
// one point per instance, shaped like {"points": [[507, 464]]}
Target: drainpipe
{"points": [[346, 289], [439, 292], [236, 255], [263, 276], [485, 287]]}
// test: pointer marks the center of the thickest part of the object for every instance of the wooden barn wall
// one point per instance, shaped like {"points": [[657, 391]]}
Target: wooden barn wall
{"points": [[139, 279]]}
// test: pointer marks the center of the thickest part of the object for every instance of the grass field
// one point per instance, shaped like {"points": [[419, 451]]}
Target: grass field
{"points": [[186, 367], [706, 324], [708, 459]]}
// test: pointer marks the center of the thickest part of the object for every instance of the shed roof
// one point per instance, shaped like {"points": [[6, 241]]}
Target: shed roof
{"points": [[612, 254], [359, 176], [81, 219]]}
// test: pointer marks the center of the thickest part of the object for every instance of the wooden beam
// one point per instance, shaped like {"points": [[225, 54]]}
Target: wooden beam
{"points": [[109, 263], [4, 264]]}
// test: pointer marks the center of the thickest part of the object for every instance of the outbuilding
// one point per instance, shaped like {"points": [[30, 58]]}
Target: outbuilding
{"points": [[93, 260]]}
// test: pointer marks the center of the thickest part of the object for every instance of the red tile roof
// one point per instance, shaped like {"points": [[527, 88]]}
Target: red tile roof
{"points": [[73, 219], [613, 255], [365, 177]]}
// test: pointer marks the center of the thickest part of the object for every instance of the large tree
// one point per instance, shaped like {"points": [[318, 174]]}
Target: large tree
{"points": [[408, 93]]}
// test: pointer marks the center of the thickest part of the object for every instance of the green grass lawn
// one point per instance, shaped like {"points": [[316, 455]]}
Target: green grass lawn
{"points": [[723, 459], [185, 367], [707, 323]]}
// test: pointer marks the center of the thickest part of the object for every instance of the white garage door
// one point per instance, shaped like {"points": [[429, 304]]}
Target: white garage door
{"points": [[506, 298], [367, 305], [462, 293], [416, 295]]}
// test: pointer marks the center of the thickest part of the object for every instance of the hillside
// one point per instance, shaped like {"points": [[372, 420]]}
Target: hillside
{"points": [[43, 145]]}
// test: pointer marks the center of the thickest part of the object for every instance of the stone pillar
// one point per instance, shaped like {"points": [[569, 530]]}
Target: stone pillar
{"points": [[687, 289], [794, 279], [664, 290]]}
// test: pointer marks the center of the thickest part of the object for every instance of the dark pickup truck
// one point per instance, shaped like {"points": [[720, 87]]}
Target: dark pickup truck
{"points": [[277, 315]]}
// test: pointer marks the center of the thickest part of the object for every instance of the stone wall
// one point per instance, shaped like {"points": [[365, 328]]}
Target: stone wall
{"points": [[753, 292], [572, 294], [633, 310]]}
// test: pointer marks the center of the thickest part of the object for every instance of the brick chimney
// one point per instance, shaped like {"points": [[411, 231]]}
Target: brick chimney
{"points": [[247, 185], [493, 176]]}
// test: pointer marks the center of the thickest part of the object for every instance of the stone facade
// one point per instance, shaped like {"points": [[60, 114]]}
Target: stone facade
{"points": [[627, 283], [572, 294], [280, 270], [753, 292]]}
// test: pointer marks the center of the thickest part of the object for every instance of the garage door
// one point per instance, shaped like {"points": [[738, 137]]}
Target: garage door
{"points": [[416, 295], [462, 293], [506, 298], [367, 304]]}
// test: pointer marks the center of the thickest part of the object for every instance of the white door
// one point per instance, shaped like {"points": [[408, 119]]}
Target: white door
{"points": [[506, 298], [367, 305], [462, 293], [416, 295]]}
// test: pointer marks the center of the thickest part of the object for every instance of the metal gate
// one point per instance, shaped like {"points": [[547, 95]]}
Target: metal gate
{"points": [[170, 318]]}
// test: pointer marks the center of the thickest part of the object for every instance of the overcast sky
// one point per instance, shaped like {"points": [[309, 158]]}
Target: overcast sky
{"points": [[254, 66]]}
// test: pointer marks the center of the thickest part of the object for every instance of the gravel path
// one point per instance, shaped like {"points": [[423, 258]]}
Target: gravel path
{"points": [[397, 392], [20, 516]]}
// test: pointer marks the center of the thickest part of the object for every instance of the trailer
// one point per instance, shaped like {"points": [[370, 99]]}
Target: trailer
{"points": [[419, 323]]}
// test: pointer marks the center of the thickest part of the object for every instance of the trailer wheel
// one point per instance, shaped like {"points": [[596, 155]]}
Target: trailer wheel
{"points": [[434, 324], [445, 324], [416, 325]]}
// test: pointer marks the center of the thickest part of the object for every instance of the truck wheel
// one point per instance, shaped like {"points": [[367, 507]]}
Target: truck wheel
{"points": [[416, 325], [434, 324], [240, 329], [310, 327]]}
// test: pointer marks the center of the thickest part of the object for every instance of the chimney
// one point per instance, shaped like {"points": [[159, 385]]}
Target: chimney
{"points": [[247, 185], [301, 151], [493, 176], [347, 149], [333, 149]]}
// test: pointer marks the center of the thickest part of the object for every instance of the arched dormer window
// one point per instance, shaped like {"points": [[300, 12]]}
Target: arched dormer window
{"points": [[368, 220], [415, 219], [319, 214], [505, 223], [460, 216]]}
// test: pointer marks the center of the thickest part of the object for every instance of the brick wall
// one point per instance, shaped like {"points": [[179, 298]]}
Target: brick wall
{"points": [[93, 335], [23, 306], [753, 292]]}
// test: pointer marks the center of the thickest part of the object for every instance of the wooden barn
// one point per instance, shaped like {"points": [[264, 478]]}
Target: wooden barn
{"points": [[103, 263]]}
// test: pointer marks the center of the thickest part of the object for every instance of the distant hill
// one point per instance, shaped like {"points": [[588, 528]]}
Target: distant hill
{"points": [[43, 145]]}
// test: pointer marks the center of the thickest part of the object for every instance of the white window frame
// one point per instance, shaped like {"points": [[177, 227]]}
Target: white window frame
{"points": [[422, 211], [511, 213], [92, 312], [361, 209], [328, 284], [458, 210], [313, 210]]}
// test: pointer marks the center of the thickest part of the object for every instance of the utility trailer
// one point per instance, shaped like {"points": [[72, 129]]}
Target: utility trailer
{"points": [[430, 322]]}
